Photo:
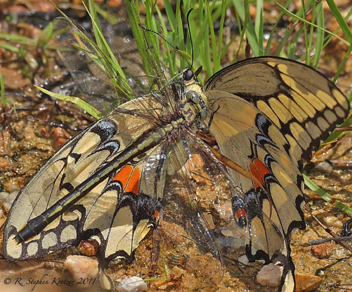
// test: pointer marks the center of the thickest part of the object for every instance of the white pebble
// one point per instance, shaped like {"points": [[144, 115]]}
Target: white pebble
{"points": [[13, 187], [133, 284], [82, 267], [3, 196], [9, 201], [243, 260]]}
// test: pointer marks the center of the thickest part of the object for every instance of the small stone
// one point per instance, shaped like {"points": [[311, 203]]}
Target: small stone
{"points": [[324, 166], [9, 201], [270, 275], [209, 220], [243, 260], [82, 267], [59, 136], [132, 284], [322, 250], [177, 272], [13, 186], [4, 163], [3, 197], [332, 221], [88, 247], [307, 283]]}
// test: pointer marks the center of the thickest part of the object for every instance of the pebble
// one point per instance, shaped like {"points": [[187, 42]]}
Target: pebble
{"points": [[332, 221], [13, 186], [88, 247], [270, 275], [82, 267], [243, 259], [307, 283], [324, 166], [132, 284], [7, 199], [3, 196], [322, 250], [177, 272]]}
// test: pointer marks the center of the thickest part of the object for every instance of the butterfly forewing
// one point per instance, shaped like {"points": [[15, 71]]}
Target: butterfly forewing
{"points": [[295, 97], [67, 169]]}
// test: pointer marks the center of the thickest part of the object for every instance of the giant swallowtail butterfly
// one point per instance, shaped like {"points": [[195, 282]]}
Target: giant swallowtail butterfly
{"points": [[114, 181]]}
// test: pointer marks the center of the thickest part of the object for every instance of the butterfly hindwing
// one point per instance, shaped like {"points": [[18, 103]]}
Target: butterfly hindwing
{"points": [[269, 114]]}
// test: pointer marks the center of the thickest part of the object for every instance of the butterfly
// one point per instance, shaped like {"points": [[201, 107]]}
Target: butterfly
{"points": [[147, 164]]}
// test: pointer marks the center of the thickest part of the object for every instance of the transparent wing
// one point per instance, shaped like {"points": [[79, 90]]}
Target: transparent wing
{"points": [[199, 215], [88, 66], [99, 77]]}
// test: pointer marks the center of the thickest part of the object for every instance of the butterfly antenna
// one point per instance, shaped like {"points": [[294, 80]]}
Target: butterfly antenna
{"points": [[158, 34], [171, 45], [190, 36]]}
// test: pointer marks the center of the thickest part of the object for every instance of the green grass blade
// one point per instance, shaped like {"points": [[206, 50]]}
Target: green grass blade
{"points": [[326, 196], [76, 100], [10, 48], [341, 21], [45, 35], [307, 22], [243, 12], [319, 42]]}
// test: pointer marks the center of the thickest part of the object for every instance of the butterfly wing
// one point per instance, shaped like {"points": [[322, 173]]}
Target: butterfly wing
{"points": [[303, 103], [69, 167], [269, 127], [119, 211]]}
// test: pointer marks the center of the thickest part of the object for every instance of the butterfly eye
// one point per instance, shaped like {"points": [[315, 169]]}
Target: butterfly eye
{"points": [[188, 75]]}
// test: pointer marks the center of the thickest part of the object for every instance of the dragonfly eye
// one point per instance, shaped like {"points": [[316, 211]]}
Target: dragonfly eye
{"points": [[188, 75]]}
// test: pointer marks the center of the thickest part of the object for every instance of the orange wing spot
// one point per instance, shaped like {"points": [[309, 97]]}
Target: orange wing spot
{"points": [[156, 214], [133, 184], [129, 178], [258, 170], [241, 213]]}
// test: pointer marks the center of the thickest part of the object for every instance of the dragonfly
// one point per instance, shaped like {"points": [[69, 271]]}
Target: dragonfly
{"points": [[147, 167]]}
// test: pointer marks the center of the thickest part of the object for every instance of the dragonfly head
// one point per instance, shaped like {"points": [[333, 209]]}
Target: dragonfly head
{"points": [[193, 92], [188, 75]]}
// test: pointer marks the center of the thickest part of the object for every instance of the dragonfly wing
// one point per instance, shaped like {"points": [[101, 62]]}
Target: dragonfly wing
{"points": [[89, 67]]}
